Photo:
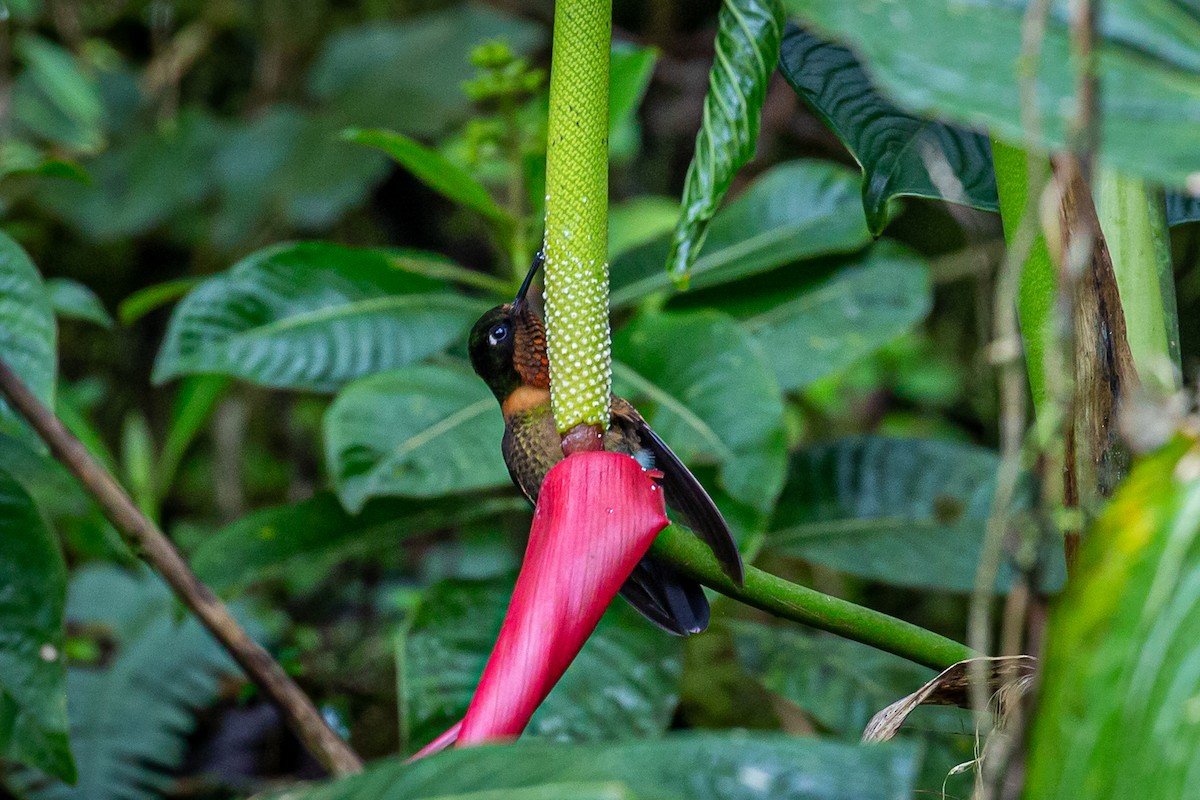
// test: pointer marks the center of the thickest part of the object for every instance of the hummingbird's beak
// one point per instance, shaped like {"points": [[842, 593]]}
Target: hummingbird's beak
{"points": [[538, 260]]}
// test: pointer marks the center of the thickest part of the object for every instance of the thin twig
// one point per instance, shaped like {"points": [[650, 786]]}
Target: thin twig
{"points": [[147, 540]]}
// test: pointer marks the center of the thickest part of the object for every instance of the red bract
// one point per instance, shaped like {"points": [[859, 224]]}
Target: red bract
{"points": [[597, 515]]}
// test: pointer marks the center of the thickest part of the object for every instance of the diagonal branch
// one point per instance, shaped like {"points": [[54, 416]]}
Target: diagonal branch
{"points": [[152, 544]]}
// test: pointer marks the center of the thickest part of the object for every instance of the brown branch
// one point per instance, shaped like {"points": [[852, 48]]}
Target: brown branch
{"points": [[147, 540]]}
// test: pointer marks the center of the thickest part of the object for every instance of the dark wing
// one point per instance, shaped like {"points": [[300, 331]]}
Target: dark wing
{"points": [[684, 493], [669, 600]]}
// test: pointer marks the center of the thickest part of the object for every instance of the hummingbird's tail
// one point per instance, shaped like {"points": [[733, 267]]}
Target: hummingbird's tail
{"points": [[671, 601]]}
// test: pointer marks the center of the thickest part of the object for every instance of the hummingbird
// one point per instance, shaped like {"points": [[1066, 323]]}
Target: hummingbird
{"points": [[507, 347]]}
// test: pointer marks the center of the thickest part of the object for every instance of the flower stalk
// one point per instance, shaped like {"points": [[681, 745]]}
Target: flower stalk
{"points": [[576, 243]]}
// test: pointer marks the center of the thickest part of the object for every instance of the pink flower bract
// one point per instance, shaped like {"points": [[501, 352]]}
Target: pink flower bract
{"points": [[597, 515]]}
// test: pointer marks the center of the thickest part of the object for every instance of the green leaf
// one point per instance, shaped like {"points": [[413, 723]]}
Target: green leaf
{"points": [[710, 766], [148, 689], [432, 169], [629, 71], [269, 544], [622, 685], [142, 184], [964, 65], [422, 431], [841, 684], [289, 167], [143, 301], [1115, 715], [72, 299], [310, 316], [194, 405], [70, 510], [900, 154], [797, 210], [137, 462], [907, 512], [55, 98], [27, 332], [32, 675], [707, 389], [747, 49], [857, 310], [408, 76], [638, 220]]}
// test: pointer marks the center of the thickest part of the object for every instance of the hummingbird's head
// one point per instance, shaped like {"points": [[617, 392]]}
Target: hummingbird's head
{"points": [[508, 345]]}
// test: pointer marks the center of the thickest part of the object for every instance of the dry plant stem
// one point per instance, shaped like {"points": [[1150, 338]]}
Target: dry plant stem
{"points": [[146, 539]]}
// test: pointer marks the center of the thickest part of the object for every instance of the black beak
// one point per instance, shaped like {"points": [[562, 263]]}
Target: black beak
{"points": [[538, 260]]}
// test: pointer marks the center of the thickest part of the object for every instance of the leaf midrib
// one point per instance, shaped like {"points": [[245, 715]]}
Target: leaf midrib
{"points": [[355, 308]]}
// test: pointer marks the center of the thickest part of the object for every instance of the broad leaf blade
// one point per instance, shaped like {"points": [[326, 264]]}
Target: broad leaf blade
{"points": [[908, 512], [622, 685], [857, 310], [418, 432], [900, 154], [964, 66], [708, 391], [32, 676], [433, 169], [310, 316], [1115, 716], [747, 49], [73, 300], [27, 331], [797, 210], [275, 542], [697, 766]]}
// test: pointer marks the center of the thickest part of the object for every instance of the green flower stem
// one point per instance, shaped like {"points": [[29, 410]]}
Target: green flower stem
{"points": [[1039, 277], [576, 245], [1133, 218], [810, 607]]}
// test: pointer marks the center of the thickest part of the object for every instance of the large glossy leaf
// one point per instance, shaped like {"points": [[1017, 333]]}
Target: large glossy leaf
{"points": [[431, 168], [1116, 714], [909, 512], [853, 312], [697, 767], [840, 685], [418, 432], [408, 76], [707, 389], [27, 332], [747, 49], [800, 209], [73, 300], [131, 715], [622, 685], [964, 66], [272, 543], [311, 316], [900, 154], [33, 699]]}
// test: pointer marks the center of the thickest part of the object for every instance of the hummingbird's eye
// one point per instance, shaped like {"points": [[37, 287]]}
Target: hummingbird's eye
{"points": [[498, 334]]}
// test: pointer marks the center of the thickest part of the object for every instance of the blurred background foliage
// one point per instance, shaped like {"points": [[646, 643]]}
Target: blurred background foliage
{"points": [[269, 398]]}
